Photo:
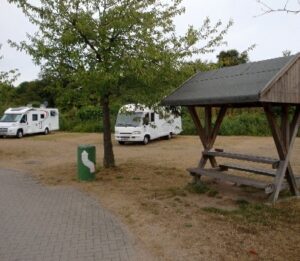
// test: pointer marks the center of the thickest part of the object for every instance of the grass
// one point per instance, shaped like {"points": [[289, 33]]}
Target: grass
{"points": [[198, 188], [201, 188], [258, 213]]}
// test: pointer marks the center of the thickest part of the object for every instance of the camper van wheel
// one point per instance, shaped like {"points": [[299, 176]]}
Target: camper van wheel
{"points": [[19, 134], [146, 140], [46, 132], [121, 142]]}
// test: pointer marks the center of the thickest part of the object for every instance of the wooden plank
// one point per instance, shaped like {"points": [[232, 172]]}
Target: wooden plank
{"points": [[265, 172], [217, 174], [242, 157]]}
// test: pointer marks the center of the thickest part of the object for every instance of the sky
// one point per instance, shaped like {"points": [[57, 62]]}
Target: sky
{"points": [[271, 33]]}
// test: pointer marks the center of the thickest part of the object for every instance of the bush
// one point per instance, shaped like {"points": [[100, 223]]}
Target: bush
{"points": [[89, 113], [252, 124]]}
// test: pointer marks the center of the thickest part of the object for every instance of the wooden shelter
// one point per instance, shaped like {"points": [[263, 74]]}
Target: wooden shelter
{"points": [[266, 84]]}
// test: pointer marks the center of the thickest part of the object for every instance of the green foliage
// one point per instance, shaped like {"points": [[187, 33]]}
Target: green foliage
{"points": [[9, 77], [187, 123], [123, 50], [76, 125], [245, 123], [89, 113], [201, 188], [198, 188], [232, 57], [239, 122]]}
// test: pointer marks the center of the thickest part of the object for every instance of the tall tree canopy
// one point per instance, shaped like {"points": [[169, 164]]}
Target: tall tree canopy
{"points": [[114, 48], [232, 57]]}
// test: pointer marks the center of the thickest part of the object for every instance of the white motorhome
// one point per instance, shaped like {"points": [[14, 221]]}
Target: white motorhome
{"points": [[27, 120], [137, 123]]}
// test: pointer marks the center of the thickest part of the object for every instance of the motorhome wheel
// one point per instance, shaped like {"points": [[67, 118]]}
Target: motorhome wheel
{"points": [[146, 140], [46, 131], [19, 134]]}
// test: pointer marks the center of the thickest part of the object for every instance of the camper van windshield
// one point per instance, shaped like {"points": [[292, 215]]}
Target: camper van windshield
{"points": [[129, 119], [11, 118]]}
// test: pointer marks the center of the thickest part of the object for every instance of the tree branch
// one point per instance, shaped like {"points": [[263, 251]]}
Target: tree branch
{"points": [[266, 9], [86, 40]]}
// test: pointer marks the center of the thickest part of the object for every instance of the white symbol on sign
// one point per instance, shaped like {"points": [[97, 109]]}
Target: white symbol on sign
{"points": [[86, 162]]}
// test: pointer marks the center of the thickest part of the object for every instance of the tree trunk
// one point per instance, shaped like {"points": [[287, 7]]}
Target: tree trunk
{"points": [[109, 159]]}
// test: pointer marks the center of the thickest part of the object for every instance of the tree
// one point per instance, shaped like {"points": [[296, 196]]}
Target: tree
{"points": [[113, 48], [286, 53], [266, 9], [7, 90], [8, 77], [232, 57]]}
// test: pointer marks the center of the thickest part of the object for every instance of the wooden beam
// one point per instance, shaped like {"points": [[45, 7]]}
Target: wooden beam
{"points": [[294, 120], [197, 122], [274, 129], [282, 150], [285, 126], [208, 123], [217, 126], [284, 166], [207, 134]]}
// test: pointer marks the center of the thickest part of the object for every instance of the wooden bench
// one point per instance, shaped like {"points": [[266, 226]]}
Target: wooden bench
{"points": [[219, 174], [259, 159], [265, 172]]}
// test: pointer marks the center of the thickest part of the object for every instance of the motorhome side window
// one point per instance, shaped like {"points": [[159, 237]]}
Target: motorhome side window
{"points": [[146, 119], [152, 117], [34, 117], [42, 116], [52, 113], [24, 119]]}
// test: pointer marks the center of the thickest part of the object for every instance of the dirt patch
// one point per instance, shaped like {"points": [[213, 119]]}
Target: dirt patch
{"points": [[150, 192]]}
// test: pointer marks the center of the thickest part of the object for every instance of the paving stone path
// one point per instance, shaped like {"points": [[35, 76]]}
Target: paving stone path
{"points": [[56, 223]]}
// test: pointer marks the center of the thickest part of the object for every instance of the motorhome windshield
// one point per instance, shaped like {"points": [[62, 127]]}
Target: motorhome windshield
{"points": [[133, 119], [11, 118]]}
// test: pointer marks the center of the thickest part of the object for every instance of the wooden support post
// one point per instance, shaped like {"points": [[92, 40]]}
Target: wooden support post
{"points": [[208, 119], [217, 126], [284, 139], [285, 126], [207, 134], [198, 125]]}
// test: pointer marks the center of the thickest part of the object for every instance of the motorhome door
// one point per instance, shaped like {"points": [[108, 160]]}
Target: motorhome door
{"points": [[24, 124]]}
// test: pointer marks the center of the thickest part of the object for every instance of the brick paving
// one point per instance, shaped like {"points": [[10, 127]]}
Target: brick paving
{"points": [[56, 223]]}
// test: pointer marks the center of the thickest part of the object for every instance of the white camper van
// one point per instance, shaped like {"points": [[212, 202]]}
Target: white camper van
{"points": [[28, 120], [137, 123]]}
